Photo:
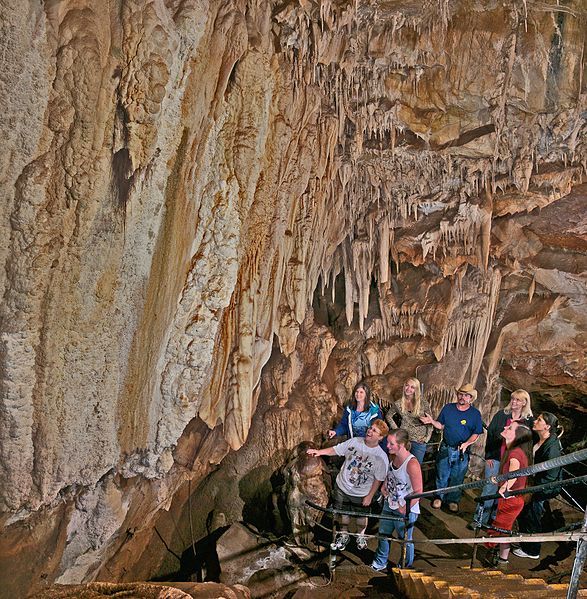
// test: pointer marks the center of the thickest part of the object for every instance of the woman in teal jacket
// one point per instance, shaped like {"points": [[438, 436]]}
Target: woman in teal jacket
{"points": [[358, 415]]}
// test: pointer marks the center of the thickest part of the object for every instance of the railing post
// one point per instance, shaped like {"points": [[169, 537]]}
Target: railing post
{"points": [[402, 561], [477, 528], [579, 563], [332, 555]]}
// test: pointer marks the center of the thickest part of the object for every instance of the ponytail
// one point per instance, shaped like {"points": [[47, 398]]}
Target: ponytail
{"points": [[556, 430], [402, 437]]}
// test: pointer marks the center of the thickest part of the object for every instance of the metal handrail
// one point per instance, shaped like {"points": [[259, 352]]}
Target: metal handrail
{"points": [[580, 537], [581, 552], [541, 467], [355, 514], [553, 485]]}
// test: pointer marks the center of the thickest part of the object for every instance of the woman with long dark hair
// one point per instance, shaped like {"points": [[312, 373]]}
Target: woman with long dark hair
{"points": [[546, 448], [358, 414], [518, 454]]}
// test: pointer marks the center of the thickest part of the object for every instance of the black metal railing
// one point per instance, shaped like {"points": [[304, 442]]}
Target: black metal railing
{"points": [[579, 537], [558, 462]]}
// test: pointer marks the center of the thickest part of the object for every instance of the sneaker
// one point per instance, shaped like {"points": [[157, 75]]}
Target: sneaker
{"points": [[502, 564], [375, 566], [521, 553], [436, 504], [361, 542], [453, 507], [341, 541]]}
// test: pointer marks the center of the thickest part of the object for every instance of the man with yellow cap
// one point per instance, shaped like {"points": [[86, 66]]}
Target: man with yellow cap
{"points": [[461, 425]]}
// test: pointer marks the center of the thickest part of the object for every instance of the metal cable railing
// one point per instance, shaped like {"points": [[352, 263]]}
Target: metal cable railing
{"points": [[579, 537], [354, 513], [545, 487], [558, 462], [541, 467]]}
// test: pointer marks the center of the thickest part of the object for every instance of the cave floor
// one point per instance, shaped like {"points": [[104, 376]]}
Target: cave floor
{"points": [[354, 578]]}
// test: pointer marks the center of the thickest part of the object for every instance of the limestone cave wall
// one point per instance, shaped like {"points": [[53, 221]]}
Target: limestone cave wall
{"points": [[219, 215]]}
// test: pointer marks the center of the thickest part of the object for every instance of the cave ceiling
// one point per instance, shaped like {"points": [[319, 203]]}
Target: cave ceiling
{"points": [[220, 215]]}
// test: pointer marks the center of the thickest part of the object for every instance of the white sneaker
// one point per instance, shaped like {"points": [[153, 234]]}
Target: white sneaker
{"points": [[377, 567], [521, 553], [340, 542], [361, 542]]}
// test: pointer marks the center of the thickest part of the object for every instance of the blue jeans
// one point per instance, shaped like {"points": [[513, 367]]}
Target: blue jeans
{"points": [[488, 489], [450, 471], [418, 450], [386, 528]]}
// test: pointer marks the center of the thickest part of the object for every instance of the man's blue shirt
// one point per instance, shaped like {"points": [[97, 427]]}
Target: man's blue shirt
{"points": [[459, 425]]}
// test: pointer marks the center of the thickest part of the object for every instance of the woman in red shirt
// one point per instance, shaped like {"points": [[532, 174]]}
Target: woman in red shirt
{"points": [[517, 454]]}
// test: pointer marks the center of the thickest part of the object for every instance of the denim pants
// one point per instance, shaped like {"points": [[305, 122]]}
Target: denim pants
{"points": [[450, 471], [489, 488], [418, 450], [386, 528]]}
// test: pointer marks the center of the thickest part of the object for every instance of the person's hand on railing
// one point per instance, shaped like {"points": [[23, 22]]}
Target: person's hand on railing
{"points": [[504, 489]]}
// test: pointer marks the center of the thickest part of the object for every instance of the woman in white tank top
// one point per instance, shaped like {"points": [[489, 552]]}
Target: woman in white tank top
{"points": [[404, 476]]}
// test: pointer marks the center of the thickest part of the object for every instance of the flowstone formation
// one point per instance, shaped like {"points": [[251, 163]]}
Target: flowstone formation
{"points": [[221, 215]]}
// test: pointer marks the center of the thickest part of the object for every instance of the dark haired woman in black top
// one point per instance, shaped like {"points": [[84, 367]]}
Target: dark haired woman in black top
{"points": [[548, 447]]}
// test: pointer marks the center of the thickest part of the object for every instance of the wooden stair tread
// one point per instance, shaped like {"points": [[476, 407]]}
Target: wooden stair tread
{"points": [[476, 583]]}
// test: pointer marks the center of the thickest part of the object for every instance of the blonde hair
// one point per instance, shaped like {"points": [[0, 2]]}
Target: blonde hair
{"points": [[417, 395], [520, 394], [381, 426]]}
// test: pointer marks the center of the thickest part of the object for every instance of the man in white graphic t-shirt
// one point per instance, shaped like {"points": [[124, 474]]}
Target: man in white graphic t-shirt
{"points": [[364, 469]]}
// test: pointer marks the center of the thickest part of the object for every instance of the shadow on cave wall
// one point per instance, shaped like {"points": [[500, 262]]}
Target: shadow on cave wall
{"points": [[256, 489], [197, 563]]}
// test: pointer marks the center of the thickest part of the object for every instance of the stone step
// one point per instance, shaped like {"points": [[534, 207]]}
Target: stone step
{"points": [[476, 583], [417, 585]]}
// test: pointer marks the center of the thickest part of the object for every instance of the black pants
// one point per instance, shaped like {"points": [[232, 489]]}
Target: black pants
{"points": [[530, 521]]}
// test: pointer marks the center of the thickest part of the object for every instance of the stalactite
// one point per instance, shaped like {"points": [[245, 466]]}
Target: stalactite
{"points": [[438, 397]]}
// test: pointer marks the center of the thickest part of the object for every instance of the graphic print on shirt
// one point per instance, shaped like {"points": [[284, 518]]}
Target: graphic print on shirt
{"points": [[396, 489], [360, 421], [358, 467]]}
